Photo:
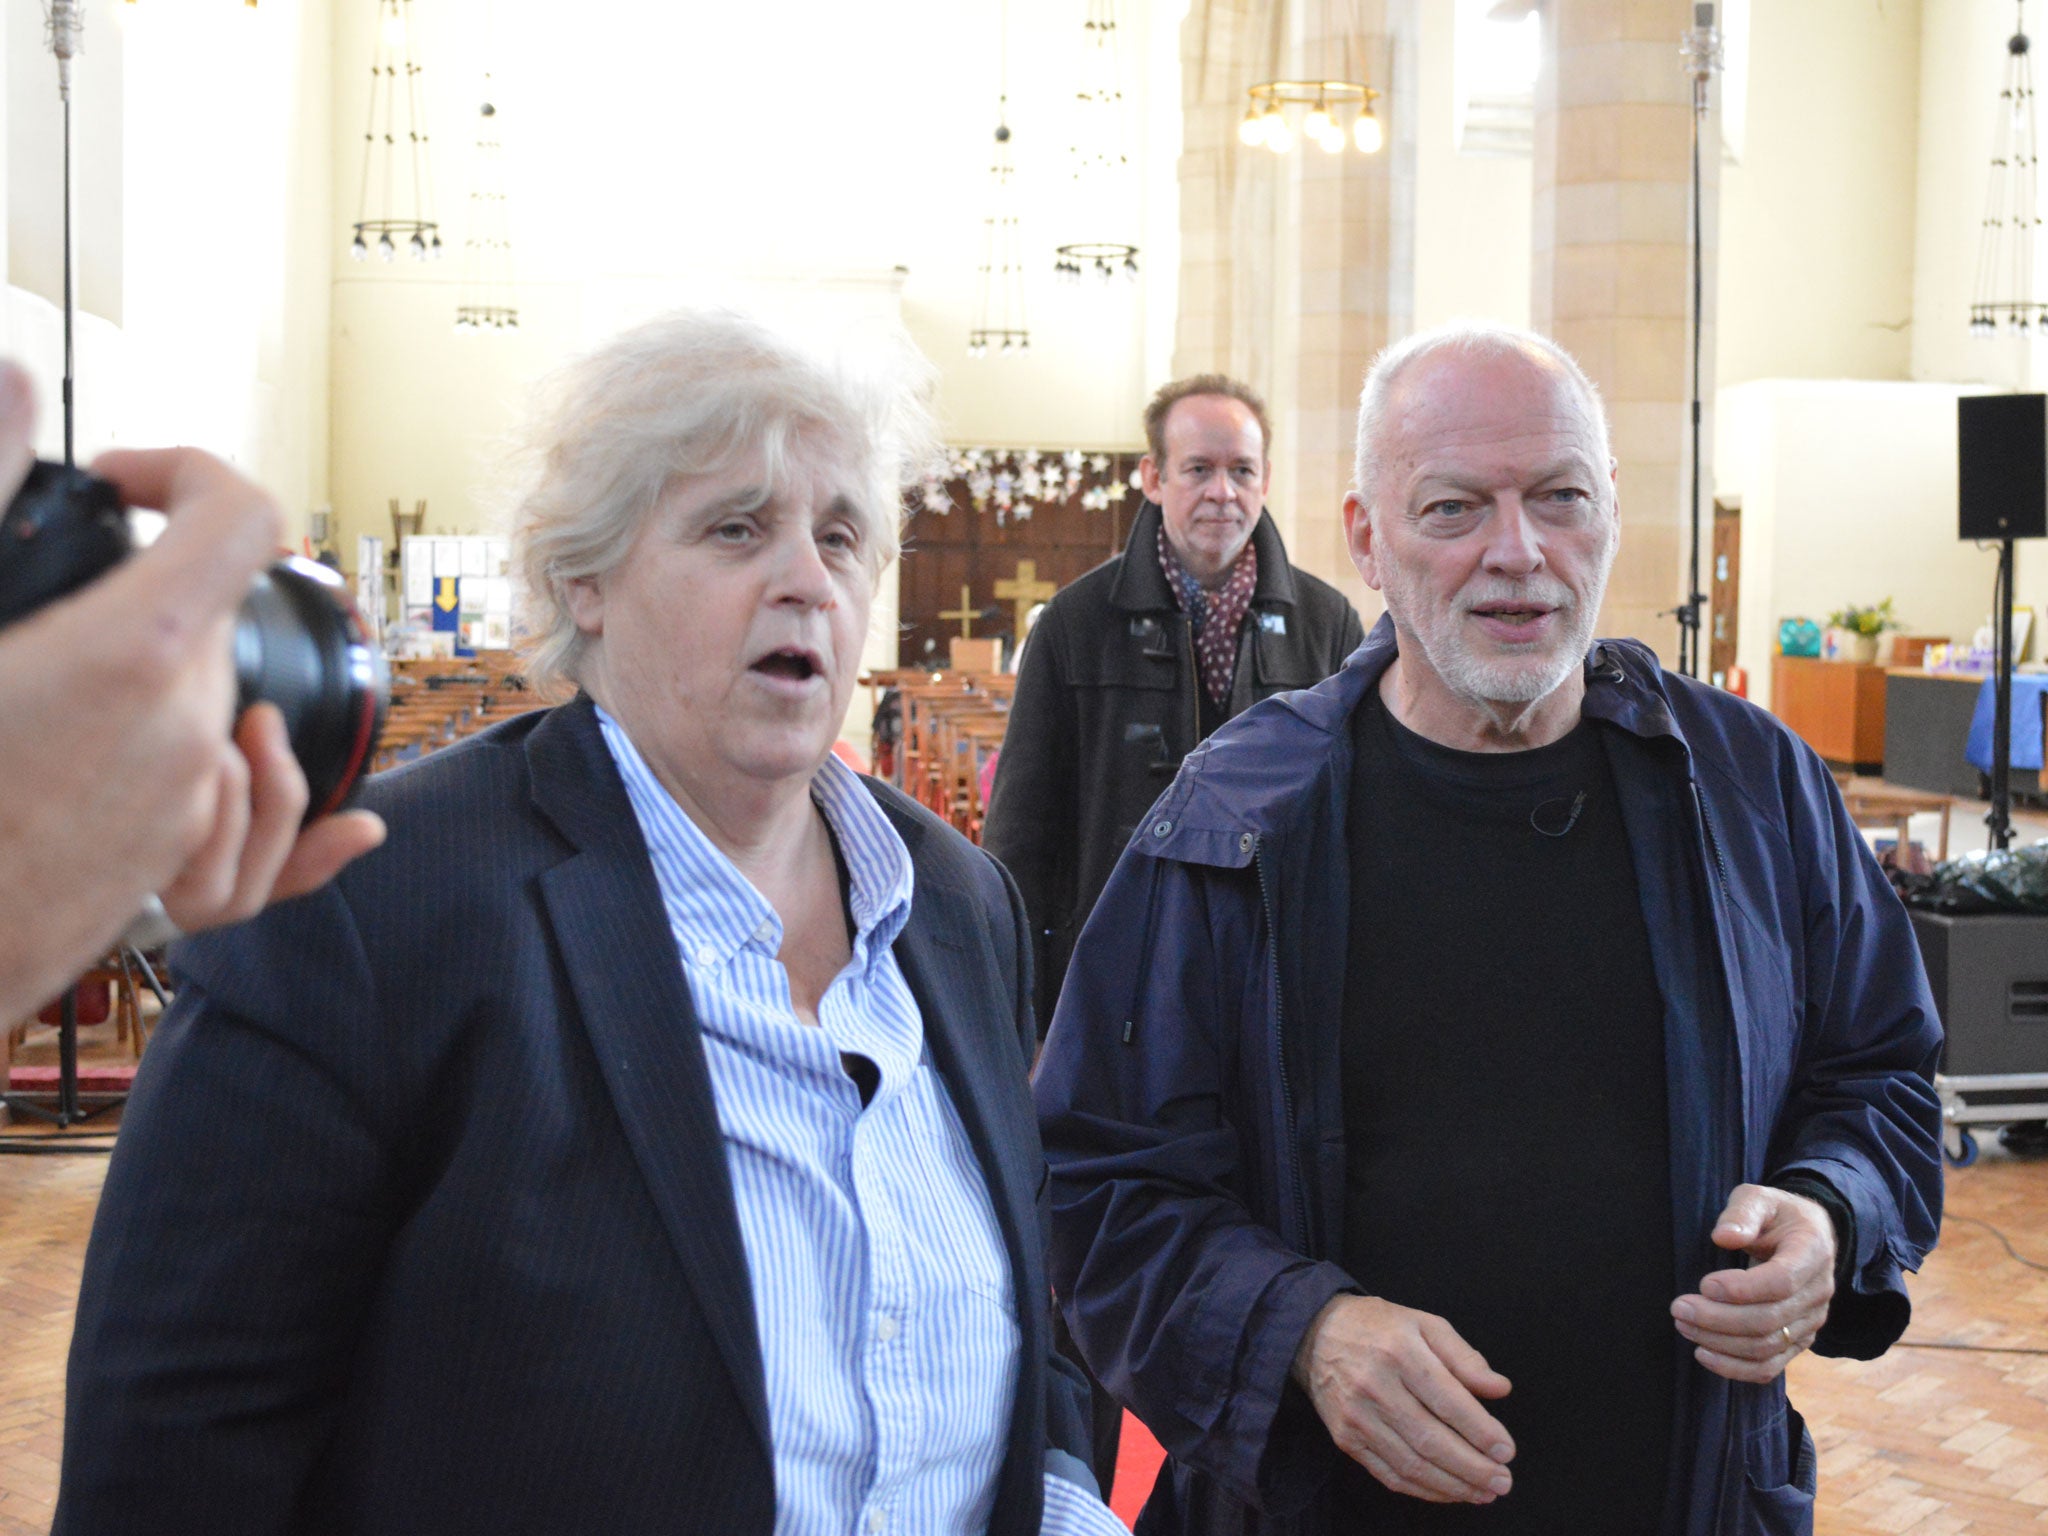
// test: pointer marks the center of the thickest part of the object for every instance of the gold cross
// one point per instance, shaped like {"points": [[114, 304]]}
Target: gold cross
{"points": [[966, 613], [1024, 590]]}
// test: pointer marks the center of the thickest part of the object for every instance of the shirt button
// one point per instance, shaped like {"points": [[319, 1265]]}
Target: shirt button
{"points": [[874, 1519], [706, 954], [886, 1329]]}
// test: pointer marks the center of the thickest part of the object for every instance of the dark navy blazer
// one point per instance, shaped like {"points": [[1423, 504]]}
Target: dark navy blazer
{"points": [[419, 1219]]}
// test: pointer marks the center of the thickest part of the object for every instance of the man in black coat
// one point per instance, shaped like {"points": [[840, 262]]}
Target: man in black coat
{"points": [[1128, 668]]}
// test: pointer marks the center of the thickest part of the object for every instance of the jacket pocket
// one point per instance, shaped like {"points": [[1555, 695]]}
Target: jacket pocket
{"points": [[1780, 1474]]}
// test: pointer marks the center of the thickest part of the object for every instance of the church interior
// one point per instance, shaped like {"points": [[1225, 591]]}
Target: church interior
{"points": [[1047, 211]]}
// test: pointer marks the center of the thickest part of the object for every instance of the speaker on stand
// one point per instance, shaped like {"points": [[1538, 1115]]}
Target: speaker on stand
{"points": [[2002, 495], [1990, 972]]}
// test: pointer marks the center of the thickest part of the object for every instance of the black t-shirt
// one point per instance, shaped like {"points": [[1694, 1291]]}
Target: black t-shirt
{"points": [[1505, 1119]]}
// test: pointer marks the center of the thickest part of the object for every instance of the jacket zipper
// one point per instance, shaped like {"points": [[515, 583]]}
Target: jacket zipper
{"points": [[1187, 624], [1280, 1048], [1713, 843]]}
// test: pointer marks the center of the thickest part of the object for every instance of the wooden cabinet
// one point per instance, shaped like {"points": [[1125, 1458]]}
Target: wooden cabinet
{"points": [[1837, 706]]}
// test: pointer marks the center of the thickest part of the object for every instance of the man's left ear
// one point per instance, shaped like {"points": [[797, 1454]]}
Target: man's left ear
{"points": [[585, 599], [1358, 539]]}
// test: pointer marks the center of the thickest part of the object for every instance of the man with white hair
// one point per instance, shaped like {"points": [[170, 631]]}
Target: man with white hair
{"points": [[1488, 1069]]}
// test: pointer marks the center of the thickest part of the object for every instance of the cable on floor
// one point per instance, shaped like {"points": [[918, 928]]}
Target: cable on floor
{"points": [[2011, 1252]]}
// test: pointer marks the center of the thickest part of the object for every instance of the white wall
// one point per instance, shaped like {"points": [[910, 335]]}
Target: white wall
{"points": [[35, 148], [1817, 221], [227, 257], [1848, 496], [1472, 212]]}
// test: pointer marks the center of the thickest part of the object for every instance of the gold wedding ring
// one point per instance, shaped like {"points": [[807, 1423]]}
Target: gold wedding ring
{"points": [[1785, 1333]]}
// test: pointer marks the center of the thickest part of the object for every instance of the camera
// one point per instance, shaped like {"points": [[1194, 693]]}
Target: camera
{"points": [[298, 640]]}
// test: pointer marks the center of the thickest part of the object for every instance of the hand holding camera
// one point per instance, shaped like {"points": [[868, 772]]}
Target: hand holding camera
{"points": [[124, 770]]}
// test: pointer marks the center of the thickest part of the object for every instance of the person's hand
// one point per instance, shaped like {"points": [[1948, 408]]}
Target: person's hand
{"points": [[1749, 1323], [1399, 1392], [121, 773]]}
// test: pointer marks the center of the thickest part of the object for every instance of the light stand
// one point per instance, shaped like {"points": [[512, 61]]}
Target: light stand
{"points": [[1999, 817], [65, 28], [1701, 50]]}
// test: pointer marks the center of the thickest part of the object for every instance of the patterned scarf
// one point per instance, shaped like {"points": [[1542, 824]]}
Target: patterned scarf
{"points": [[1215, 616]]}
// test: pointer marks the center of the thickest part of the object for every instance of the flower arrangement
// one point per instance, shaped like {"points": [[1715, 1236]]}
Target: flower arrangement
{"points": [[1872, 621]]}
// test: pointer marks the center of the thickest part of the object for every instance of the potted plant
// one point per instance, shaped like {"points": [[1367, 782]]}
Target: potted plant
{"points": [[1852, 632]]}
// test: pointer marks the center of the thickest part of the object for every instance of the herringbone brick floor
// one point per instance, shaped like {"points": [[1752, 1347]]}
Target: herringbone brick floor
{"points": [[1926, 1441]]}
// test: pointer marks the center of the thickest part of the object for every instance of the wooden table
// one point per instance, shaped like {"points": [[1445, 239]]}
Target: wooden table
{"points": [[1883, 806], [1836, 706]]}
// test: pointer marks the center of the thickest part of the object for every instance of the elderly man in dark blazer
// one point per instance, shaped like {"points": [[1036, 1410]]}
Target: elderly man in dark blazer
{"points": [[640, 1141]]}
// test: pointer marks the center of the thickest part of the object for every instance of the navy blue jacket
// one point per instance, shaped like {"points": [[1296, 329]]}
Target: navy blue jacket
{"points": [[1191, 1104], [420, 1220]]}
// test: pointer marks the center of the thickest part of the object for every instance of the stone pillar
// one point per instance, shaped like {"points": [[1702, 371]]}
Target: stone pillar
{"points": [[1294, 268], [1612, 234]]}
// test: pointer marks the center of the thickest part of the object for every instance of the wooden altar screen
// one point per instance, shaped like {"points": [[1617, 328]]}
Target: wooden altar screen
{"points": [[976, 548]]}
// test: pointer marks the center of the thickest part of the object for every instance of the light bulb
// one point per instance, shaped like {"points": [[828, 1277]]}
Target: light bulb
{"points": [[1279, 137], [1332, 140], [1131, 268], [1317, 123], [1368, 133], [434, 250], [386, 251], [1252, 131], [416, 247], [357, 250]]}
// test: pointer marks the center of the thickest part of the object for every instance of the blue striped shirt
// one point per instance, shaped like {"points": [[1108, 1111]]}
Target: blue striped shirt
{"points": [[882, 1295]]}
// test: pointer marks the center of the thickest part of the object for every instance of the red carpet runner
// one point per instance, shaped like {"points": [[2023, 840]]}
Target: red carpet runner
{"points": [[1138, 1459]]}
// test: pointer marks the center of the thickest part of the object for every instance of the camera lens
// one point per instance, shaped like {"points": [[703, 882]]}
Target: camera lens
{"points": [[300, 644]]}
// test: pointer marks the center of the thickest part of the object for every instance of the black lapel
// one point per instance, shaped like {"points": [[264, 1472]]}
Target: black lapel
{"points": [[970, 1027], [608, 918]]}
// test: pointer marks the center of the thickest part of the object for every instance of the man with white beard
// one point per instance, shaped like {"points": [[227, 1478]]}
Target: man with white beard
{"points": [[1485, 1071]]}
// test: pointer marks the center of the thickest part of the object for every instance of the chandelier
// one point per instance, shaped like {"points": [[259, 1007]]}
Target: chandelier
{"points": [[2006, 240], [2005, 248], [1340, 93], [999, 319], [1101, 169], [395, 166], [485, 300]]}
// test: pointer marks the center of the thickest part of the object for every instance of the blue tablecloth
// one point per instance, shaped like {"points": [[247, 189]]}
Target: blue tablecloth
{"points": [[2028, 690]]}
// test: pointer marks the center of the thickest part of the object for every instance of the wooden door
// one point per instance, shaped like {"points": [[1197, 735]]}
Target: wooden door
{"points": [[1075, 522], [1724, 589]]}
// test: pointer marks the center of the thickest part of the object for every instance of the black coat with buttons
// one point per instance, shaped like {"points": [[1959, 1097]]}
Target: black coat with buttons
{"points": [[1108, 703]]}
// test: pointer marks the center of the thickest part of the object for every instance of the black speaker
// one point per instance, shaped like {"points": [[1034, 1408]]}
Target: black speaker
{"points": [[2002, 459]]}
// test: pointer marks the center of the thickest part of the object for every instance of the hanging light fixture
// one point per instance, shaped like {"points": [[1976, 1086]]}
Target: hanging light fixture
{"points": [[999, 320], [485, 300], [1101, 168], [396, 173], [2005, 243], [999, 317], [1266, 125]]}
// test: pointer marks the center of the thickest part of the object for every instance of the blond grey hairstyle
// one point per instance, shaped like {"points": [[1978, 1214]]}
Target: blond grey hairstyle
{"points": [[1478, 340], [682, 397]]}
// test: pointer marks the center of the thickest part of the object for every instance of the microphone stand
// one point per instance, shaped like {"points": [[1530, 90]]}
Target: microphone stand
{"points": [[65, 27], [1701, 50]]}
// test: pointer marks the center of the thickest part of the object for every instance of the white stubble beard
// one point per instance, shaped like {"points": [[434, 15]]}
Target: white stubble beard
{"points": [[1523, 679]]}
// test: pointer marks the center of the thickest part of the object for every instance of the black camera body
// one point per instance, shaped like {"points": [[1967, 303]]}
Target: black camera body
{"points": [[298, 641]]}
